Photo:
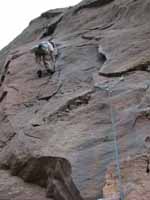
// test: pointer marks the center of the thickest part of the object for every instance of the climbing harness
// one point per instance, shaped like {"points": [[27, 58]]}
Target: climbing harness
{"points": [[114, 130]]}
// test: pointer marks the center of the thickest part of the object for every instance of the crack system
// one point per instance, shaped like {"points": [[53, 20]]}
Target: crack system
{"points": [[51, 28], [4, 143], [139, 67], [4, 94], [6, 66], [70, 105], [47, 98]]}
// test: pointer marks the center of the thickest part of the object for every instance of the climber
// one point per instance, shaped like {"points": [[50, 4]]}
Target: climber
{"points": [[44, 55]]}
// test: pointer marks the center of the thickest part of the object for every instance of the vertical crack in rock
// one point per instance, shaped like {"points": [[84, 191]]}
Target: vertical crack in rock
{"points": [[54, 173], [2, 97], [50, 29], [6, 66], [3, 76], [148, 166]]}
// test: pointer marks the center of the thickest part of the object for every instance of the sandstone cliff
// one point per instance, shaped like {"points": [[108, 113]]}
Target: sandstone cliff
{"points": [[56, 138]]}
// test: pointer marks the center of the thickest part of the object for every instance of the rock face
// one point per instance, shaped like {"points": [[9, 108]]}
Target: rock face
{"points": [[135, 178], [56, 132], [50, 172]]}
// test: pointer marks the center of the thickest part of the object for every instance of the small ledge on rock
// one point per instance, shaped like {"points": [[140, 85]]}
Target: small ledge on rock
{"points": [[35, 125]]}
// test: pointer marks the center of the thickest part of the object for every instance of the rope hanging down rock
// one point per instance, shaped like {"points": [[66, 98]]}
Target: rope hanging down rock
{"points": [[114, 130], [116, 147]]}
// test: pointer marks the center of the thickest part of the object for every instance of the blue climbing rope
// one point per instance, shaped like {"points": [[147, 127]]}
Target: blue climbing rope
{"points": [[116, 147]]}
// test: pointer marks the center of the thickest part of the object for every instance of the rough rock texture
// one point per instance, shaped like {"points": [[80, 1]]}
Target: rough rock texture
{"points": [[50, 172], [103, 46], [12, 187], [135, 178]]}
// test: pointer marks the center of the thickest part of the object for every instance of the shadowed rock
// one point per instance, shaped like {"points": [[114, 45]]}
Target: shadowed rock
{"points": [[50, 172], [91, 3]]}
